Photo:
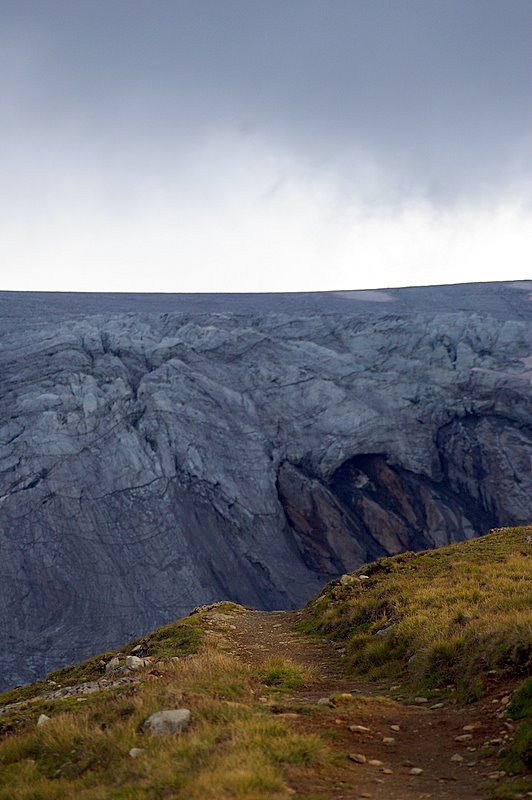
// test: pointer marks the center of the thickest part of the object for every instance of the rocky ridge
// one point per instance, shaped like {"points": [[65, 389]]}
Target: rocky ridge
{"points": [[154, 460]]}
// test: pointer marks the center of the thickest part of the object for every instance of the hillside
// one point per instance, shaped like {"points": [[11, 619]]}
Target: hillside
{"points": [[161, 451], [409, 682]]}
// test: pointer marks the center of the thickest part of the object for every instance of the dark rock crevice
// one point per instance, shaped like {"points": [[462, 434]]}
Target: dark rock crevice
{"points": [[371, 506]]}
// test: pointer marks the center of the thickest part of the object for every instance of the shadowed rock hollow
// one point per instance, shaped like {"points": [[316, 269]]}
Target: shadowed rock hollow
{"points": [[175, 450]]}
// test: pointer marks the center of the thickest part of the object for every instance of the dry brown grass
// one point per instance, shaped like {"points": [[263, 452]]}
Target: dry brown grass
{"points": [[234, 748]]}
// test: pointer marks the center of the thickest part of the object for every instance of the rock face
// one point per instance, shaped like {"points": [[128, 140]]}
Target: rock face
{"points": [[155, 460]]}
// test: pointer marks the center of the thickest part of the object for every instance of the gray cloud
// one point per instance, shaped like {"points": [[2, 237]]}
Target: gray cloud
{"points": [[434, 95]]}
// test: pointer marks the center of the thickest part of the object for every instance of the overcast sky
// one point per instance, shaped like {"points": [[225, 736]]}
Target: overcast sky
{"points": [[253, 145]]}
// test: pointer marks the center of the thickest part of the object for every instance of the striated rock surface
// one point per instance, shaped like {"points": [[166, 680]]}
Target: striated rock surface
{"points": [[168, 456]]}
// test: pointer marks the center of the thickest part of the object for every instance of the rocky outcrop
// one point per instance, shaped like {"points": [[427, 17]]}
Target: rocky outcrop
{"points": [[150, 462]]}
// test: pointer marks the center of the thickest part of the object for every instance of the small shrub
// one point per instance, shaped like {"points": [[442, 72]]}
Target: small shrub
{"points": [[282, 674]]}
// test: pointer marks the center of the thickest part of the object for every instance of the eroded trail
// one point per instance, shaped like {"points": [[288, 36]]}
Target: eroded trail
{"points": [[408, 751]]}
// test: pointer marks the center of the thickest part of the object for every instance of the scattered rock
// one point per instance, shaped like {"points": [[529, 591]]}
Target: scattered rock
{"points": [[43, 719], [135, 752], [359, 729], [346, 580], [323, 701], [395, 728], [388, 740], [416, 771], [359, 758], [168, 721], [387, 771], [436, 706], [363, 577], [472, 727], [421, 700], [113, 664], [457, 757], [219, 616], [134, 662], [136, 650], [464, 737], [374, 762]]}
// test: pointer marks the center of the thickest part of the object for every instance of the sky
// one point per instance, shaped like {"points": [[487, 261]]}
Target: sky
{"points": [[264, 145]]}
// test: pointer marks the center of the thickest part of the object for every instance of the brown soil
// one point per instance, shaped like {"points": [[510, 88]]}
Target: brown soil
{"points": [[426, 738]]}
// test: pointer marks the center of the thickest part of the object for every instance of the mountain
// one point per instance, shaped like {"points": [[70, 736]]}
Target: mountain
{"points": [[161, 451]]}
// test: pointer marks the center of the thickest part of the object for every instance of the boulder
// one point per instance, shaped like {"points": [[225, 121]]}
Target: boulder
{"points": [[134, 662], [113, 664], [169, 721]]}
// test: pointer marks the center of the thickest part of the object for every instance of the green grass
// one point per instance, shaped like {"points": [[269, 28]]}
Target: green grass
{"points": [[283, 674], [513, 789], [517, 759], [436, 618]]}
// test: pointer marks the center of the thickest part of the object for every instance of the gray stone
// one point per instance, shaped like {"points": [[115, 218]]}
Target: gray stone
{"points": [[113, 664], [134, 662], [135, 752], [146, 441], [167, 722], [358, 758], [43, 719], [346, 580]]}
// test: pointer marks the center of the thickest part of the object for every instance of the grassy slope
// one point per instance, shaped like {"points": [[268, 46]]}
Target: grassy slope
{"points": [[443, 616]]}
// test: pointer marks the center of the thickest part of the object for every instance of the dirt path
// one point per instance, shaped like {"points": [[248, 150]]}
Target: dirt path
{"points": [[426, 738]]}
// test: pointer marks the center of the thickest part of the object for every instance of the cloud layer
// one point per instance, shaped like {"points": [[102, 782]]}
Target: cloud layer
{"points": [[207, 146]]}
